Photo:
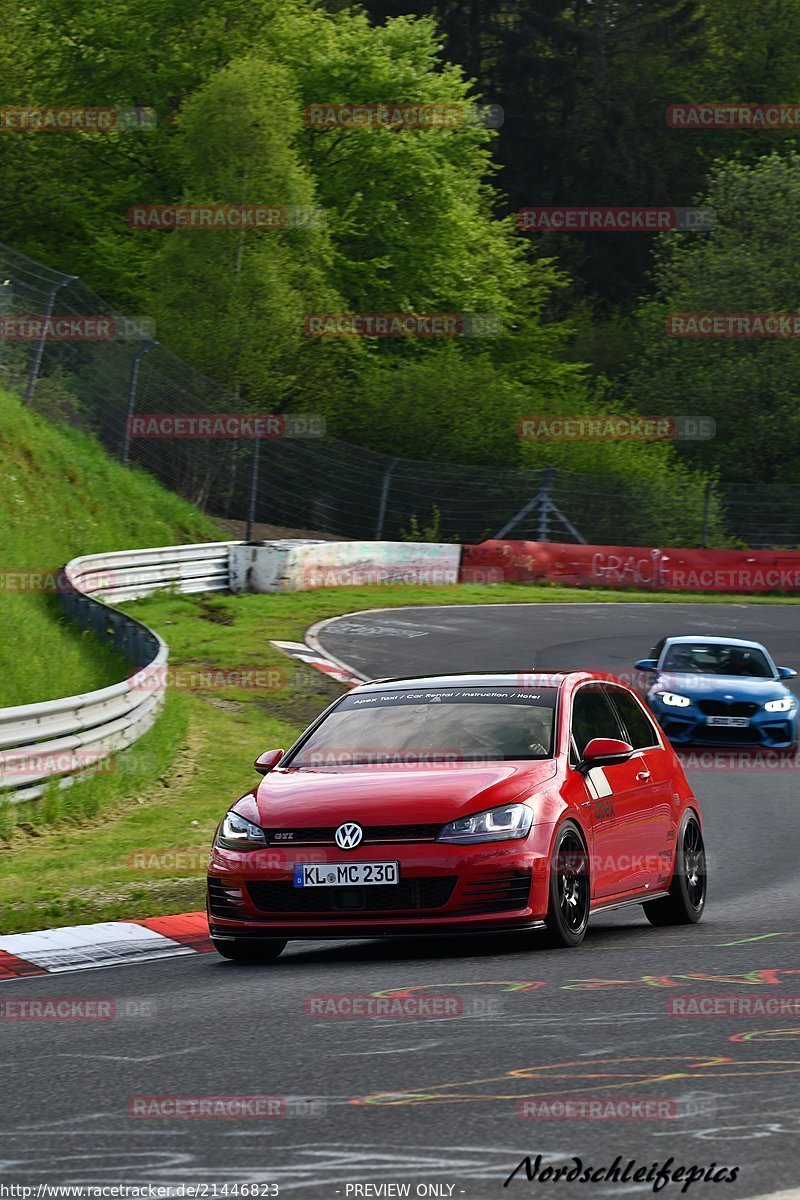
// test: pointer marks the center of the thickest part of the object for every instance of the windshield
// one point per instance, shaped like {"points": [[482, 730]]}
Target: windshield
{"points": [[698, 658], [433, 726]]}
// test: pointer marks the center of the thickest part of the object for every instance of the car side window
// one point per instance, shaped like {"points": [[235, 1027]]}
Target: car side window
{"points": [[593, 716], [656, 651], [640, 730]]}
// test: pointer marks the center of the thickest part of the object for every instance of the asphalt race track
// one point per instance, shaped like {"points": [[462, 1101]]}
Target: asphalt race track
{"points": [[436, 1101]]}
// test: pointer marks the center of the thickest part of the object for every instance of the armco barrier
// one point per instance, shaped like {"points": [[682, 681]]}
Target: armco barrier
{"points": [[649, 568], [62, 739]]}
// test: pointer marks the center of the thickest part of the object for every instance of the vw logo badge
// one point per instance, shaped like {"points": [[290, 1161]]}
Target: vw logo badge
{"points": [[348, 836]]}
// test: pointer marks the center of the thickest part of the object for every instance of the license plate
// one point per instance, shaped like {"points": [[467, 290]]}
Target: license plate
{"points": [[346, 874], [730, 722]]}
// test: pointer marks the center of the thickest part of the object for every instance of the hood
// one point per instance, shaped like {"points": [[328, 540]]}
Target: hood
{"points": [[717, 687], [391, 795]]}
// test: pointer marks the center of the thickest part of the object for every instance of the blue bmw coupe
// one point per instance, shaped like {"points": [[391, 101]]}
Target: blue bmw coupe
{"points": [[714, 691]]}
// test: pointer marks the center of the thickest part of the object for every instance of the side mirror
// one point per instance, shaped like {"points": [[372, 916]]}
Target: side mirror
{"points": [[786, 673], [646, 664], [602, 752], [266, 761]]}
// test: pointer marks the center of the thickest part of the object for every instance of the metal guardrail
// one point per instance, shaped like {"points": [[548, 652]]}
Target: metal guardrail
{"points": [[64, 739]]}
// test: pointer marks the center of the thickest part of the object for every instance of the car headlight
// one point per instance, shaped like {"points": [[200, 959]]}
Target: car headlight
{"points": [[785, 704], [673, 700], [235, 833], [494, 825]]}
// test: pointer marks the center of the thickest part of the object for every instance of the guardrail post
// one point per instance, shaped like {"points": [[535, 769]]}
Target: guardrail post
{"points": [[37, 357], [133, 379]]}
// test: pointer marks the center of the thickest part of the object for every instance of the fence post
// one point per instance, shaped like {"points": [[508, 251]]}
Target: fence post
{"points": [[544, 511], [384, 498], [251, 511], [133, 379], [706, 514], [37, 357], [6, 300]]}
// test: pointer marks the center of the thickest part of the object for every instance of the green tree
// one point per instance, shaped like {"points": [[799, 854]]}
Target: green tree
{"points": [[747, 264], [240, 295]]}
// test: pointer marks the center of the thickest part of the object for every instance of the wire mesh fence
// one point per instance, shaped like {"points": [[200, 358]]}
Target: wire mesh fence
{"points": [[109, 369]]}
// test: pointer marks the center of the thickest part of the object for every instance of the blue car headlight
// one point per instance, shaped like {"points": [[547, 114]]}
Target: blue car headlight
{"points": [[785, 704], [672, 700]]}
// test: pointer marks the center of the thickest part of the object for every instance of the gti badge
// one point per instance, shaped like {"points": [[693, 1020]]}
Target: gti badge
{"points": [[348, 836]]}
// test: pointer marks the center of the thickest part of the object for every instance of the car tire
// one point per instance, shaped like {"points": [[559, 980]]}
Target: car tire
{"points": [[686, 899], [243, 950], [569, 890]]}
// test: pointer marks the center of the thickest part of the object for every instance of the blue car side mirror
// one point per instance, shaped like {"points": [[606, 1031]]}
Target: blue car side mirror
{"points": [[649, 664], [786, 673]]}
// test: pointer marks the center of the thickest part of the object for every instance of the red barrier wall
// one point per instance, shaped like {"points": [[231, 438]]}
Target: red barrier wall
{"points": [[752, 571]]}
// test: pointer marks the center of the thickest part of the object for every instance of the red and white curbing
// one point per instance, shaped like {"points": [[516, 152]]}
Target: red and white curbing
{"points": [[108, 944], [321, 662]]}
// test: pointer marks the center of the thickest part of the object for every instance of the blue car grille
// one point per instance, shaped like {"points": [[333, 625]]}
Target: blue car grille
{"points": [[722, 708]]}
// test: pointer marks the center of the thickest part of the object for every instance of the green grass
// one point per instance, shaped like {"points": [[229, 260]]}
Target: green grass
{"points": [[61, 495], [68, 859]]}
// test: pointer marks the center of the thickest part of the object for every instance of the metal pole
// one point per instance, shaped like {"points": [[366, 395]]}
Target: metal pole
{"points": [[544, 512], [133, 379], [37, 358], [706, 514], [384, 498], [248, 536], [6, 300]]}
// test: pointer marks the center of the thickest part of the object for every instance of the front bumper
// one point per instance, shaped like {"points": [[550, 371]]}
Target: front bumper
{"points": [[443, 889], [689, 726]]}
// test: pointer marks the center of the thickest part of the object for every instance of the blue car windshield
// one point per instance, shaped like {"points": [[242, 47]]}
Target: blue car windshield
{"points": [[700, 658]]}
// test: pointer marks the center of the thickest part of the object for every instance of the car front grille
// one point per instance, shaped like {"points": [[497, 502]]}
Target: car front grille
{"points": [[719, 708], [323, 835], [496, 893], [409, 894]]}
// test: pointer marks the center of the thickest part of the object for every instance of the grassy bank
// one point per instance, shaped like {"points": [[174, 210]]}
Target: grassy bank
{"points": [[60, 496]]}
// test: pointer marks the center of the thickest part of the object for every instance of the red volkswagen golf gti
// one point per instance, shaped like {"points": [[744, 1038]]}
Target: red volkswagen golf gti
{"points": [[460, 804]]}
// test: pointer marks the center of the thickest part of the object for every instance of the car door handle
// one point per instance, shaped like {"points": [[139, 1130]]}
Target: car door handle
{"points": [[643, 776], [585, 803]]}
